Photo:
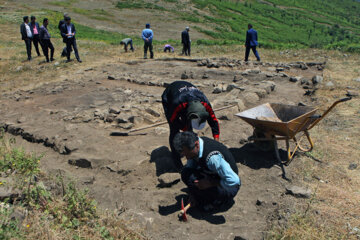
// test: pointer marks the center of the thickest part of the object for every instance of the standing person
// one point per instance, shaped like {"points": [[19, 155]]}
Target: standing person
{"points": [[62, 22], [68, 33], [251, 43], [35, 29], [26, 35], [147, 36], [186, 42], [186, 107], [45, 41], [210, 173], [126, 42]]}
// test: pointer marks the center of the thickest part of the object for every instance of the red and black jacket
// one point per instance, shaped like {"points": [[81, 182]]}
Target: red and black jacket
{"points": [[175, 100]]}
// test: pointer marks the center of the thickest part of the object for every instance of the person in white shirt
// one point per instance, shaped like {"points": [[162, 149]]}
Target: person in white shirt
{"points": [[26, 35]]}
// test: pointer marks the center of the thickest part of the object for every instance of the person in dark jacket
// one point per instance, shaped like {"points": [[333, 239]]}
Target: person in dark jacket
{"points": [[26, 35], [186, 107], [251, 43], [186, 42], [126, 42], [45, 41], [62, 22], [210, 173], [68, 32], [35, 30]]}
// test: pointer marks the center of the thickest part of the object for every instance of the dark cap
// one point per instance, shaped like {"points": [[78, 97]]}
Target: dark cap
{"points": [[147, 25], [196, 110]]}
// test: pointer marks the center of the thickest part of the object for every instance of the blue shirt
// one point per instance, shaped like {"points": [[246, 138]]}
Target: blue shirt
{"points": [[229, 180], [251, 38], [147, 33]]}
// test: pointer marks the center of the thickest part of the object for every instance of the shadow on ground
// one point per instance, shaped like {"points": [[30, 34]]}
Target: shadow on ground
{"points": [[250, 156], [163, 160], [195, 212]]}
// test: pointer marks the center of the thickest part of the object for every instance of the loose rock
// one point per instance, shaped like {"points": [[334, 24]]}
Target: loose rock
{"points": [[81, 162], [352, 166], [168, 179], [298, 192], [317, 79]]}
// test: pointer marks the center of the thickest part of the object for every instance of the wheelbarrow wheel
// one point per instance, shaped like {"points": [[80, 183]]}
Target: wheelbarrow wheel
{"points": [[260, 142]]}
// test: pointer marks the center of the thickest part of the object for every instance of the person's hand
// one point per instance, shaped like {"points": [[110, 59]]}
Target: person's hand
{"points": [[203, 183], [146, 39], [217, 139]]}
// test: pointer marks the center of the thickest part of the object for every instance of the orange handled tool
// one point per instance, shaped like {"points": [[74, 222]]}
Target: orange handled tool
{"points": [[182, 214]]}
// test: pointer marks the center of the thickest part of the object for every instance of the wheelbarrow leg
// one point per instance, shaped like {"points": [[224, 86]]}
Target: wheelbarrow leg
{"points": [[280, 162]]}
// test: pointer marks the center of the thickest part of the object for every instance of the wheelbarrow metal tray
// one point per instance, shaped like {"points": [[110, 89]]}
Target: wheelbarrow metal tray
{"points": [[279, 119]]}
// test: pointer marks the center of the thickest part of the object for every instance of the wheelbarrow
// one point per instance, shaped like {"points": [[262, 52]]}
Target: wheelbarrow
{"points": [[273, 122]]}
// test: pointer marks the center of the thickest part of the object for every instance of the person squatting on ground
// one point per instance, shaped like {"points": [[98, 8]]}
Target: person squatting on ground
{"points": [[126, 42], [68, 32], [35, 29], [26, 35], [45, 41], [186, 42], [186, 107], [210, 173], [169, 48], [147, 36], [62, 22], [251, 43]]}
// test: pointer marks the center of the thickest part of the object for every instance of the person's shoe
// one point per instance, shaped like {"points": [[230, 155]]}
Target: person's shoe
{"points": [[52, 59], [47, 60], [145, 57], [69, 60], [79, 60]]}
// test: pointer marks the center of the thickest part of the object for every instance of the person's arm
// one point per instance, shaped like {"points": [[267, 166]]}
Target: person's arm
{"points": [[143, 35], [256, 36], [41, 33], [151, 35], [229, 180], [247, 39], [212, 120], [74, 30], [63, 33]]}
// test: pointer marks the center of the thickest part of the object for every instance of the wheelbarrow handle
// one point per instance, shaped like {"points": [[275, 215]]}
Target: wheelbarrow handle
{"points": [[318, 119], [345, 99]]}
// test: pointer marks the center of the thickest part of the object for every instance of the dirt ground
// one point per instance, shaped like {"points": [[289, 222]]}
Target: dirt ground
{"points": [[70, 122]]}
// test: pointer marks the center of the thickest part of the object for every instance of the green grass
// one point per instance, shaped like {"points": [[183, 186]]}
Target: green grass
{"points": [[65, 211], [64, 3], [280, 23]]}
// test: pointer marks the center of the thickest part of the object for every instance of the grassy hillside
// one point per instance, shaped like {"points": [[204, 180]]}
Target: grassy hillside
{"points": [[281, 23]]}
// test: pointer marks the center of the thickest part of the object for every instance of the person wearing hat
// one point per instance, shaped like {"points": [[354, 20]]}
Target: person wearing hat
{"points": [[147, 36], [210, 173], [186, 42], [186, 107]]}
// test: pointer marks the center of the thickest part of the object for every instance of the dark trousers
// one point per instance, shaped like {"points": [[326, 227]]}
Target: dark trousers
{"points": [[36, 42], [71, 43], [131, 46], [213, 195], [247, 52], [46, 44], [28, 48], [148, 45], [175, 155], [186, 49]]}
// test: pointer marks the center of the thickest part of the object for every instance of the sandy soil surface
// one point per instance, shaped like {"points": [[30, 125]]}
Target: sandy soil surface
{"points": [[70, 122]]}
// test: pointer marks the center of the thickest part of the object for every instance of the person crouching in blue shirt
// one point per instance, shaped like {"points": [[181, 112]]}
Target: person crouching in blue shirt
{"points": [[251, 43], [210, 173], [147, 36]]}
